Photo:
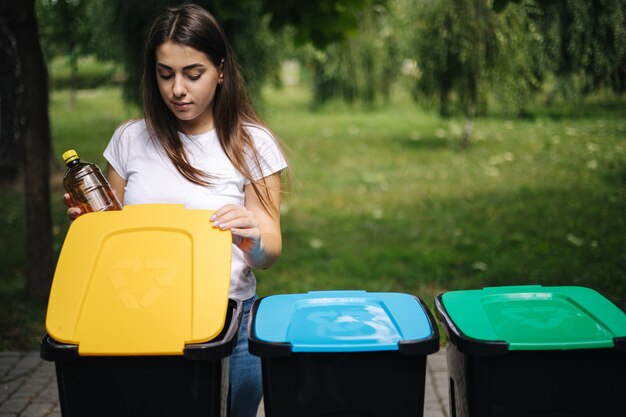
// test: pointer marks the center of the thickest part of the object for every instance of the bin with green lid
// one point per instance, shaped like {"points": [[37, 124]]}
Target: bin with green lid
{"points": [[531, 351], [342, 353]]}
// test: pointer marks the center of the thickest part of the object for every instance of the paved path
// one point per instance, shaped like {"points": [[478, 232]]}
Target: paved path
{"points": [[28, 386]]}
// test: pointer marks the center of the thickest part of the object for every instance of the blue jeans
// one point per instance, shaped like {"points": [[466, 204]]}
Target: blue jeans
{"points": [[245, 372]]}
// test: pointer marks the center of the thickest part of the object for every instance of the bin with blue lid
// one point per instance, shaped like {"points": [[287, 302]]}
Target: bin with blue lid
{"points": [[342, 353], [531, 351], [139, 320]]}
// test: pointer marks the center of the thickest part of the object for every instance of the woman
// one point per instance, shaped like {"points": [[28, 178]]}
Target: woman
{"points": [[201, 144]]}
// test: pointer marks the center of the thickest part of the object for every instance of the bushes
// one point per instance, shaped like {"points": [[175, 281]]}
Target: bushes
{"points": [[91, 73]]}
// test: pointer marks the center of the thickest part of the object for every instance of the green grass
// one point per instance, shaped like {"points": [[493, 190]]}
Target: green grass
{"points": [[88, 125], [385, 200]]}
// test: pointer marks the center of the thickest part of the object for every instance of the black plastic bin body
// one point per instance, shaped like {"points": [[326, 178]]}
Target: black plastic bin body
{"points": [[373, 384], [488, 379], [192, 385], [580, 383], [343, 384]]}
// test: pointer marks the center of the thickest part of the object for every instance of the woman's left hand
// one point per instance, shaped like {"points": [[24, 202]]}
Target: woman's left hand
{"points": [[242, 224], [255, 230]]}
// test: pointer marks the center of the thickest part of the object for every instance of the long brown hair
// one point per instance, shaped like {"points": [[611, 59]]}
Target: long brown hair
{"points": [[193, 26]]}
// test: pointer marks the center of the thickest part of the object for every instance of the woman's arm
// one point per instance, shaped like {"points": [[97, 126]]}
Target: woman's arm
{"points": [[256, 231]]}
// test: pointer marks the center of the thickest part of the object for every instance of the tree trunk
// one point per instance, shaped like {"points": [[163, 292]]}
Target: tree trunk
{"points": [[9, 146], [469, 126], [73, 76], [34, 135]]}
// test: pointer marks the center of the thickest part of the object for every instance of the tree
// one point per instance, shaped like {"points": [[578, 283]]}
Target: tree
{"points": [[522, 66], [361, 67], [471, 50], [582, 40], [457, 49], [253, 27], [24, 106], [321, 22], [65, 30], [586, 39]]}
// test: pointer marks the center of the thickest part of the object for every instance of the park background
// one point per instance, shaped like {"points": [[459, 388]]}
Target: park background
{"points": [[434, 144]]}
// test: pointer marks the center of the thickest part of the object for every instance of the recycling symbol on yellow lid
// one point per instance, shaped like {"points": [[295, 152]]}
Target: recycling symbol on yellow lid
{"points": [[125, 272]]}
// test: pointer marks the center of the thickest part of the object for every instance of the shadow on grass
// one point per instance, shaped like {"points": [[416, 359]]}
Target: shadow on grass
{"points": [[613, 107], [429, 142]]}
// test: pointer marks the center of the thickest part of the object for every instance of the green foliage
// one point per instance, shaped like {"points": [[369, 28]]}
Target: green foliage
{"points": [[63, 27], [458, 44], [321, 22], [254, 27], [119, 28], [521, 67], [259, 49], [462, 55], [65, 30], [585, 39], [468, 55], [362, 67]]}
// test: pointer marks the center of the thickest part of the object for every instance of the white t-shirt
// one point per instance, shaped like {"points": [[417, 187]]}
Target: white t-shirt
{"points": [[151, 178]]}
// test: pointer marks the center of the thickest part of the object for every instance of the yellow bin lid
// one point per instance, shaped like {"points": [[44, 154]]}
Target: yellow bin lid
{"points": [[145, 280]]}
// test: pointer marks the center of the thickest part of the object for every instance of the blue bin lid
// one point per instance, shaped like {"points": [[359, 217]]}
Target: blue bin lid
{"points": [[342, 321]]}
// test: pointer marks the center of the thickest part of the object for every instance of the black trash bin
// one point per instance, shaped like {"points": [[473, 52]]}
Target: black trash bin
{"points": [[194, 384], [533, 351], [139, 323], [342, 353]]}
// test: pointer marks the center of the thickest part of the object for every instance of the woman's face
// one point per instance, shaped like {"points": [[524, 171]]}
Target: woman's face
{"points": [[187, 81]]}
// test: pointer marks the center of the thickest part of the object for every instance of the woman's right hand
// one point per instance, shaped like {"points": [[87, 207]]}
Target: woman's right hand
{"points": [[73, 208]]}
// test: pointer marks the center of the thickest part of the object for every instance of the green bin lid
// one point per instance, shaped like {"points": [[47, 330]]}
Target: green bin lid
{"points": [[535, 317]]}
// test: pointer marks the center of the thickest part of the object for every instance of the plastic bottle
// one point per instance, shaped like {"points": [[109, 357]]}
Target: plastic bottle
{"points": [[87, 186]]}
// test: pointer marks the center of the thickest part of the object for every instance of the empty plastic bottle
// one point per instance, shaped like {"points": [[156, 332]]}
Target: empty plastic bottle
{"points": [[87, 186]]}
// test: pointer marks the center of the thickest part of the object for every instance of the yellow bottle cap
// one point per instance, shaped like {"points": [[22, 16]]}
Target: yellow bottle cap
{"points": [[69, 156]]}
